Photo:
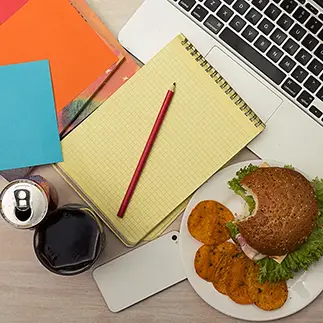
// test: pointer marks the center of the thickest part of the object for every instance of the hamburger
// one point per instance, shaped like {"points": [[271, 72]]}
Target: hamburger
{"points": [[282, 227]]}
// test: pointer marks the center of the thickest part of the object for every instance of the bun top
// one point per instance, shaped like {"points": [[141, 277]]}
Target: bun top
{"points": [[285, 214]]}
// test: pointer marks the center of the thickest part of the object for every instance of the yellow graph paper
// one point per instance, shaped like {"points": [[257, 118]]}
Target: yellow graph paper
{"points": [[203, 129], [162, 226]]}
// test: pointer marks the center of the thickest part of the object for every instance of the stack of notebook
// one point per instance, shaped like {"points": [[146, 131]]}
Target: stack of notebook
{"points": [[86, 62], [206, 125]]}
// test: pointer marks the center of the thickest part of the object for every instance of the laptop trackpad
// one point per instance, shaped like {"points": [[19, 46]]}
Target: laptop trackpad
{"points": [[260, 98]]}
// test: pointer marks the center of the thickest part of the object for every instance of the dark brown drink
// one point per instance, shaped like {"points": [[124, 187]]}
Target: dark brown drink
{"points": [[69, 240]]}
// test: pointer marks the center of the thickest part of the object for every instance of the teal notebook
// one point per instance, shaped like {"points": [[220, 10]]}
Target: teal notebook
{"points": [[28, 125]]}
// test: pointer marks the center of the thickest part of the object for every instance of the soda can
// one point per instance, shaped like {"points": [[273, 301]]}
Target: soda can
{"points": [[24, 203]]}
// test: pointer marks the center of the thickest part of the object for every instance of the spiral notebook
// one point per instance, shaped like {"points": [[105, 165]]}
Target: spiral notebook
{"points": [[206, 125]]}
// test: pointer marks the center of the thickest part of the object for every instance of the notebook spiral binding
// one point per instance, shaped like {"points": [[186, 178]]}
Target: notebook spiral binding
{"points": [[234, 96]]}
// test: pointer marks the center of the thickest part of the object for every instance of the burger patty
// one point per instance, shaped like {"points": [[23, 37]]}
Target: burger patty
{"points": [[285, 214]]}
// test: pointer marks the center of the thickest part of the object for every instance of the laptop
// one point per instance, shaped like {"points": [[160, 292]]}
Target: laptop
{"points": [[271, 52]]}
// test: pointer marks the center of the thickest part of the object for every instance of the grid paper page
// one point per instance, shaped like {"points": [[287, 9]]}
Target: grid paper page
{"points": [[171, 217], [203, 129]]}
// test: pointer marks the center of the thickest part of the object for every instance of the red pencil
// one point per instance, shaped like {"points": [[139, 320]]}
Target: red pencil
{"points": [[145, 153]]}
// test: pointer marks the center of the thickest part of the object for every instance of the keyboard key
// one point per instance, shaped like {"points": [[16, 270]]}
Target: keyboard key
{"points": [[266, 26], [250, 54], [278, 36], [229, 1], [262, 43], [297, 32], [253, 16], [260, 4], [317, 112], [199, 12], [305, 99], [289, 5], [275, 53], [301, 15], [212, 4], [291, 47], [187, 4], [303, 56], [315, 67], [320, 35], [225, 13], [312, 84], [241, 6], [321, 16], [299, 74], [291, 87], [319, 94], [237, 23], [313, 25], [319, 52], [250, 33], [311, 8], [301, 1], [272, 12], [310, 42], [285, 22], [287, 64], [213, 24]]}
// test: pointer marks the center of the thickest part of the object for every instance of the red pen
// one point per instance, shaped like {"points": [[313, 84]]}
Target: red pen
{"points": [[145, 153]]}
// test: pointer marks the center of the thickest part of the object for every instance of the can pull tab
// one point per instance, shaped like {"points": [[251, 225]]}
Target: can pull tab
{"points": [[22, 209]]}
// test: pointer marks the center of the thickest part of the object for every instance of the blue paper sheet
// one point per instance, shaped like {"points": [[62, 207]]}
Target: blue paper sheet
{"points": [[28, 125]]}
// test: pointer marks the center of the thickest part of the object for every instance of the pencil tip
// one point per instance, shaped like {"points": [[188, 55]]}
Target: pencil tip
{"points": [[174, 83], [173, 87]]}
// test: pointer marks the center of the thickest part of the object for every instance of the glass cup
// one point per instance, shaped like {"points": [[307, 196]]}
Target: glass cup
{"points": [[69, 240]]}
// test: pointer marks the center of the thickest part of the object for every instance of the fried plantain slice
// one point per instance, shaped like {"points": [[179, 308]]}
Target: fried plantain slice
{"points": [[207, 221]]}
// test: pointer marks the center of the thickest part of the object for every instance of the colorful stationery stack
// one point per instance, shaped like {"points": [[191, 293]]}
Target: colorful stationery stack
{"points": [[54, 30], [207, 125], [82, 58]]}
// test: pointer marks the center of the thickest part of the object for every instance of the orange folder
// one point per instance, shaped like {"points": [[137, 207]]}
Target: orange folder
{"points": [[54, 30]]}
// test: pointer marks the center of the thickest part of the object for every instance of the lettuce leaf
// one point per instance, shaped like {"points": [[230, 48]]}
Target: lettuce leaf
{"points": [[318, 187], [233, 229], [236, 187], [290, 167], [310, 252]]}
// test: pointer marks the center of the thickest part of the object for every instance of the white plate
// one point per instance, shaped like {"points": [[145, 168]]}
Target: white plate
{"points": [[303, 289]]}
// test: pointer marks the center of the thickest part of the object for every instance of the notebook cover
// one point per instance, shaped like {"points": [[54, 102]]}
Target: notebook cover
{"points": [[84, 104], [123, 72], [28, 125], [191, 145]]}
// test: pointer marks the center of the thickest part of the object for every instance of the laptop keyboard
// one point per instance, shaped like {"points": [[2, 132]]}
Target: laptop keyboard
{"points": [[283, 39]]}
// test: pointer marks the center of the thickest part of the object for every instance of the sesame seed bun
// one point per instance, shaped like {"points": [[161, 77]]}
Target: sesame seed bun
{"points": [[285, 213]]}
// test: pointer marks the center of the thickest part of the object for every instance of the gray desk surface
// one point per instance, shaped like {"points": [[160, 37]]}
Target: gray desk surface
{"points": [[28, 293]]}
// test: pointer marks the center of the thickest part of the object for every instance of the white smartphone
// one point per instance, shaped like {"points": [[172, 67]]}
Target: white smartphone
{"points": [[140, 273]]}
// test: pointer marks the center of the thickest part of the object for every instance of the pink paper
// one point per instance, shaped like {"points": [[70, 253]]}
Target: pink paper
{"points": [[9, 7]]}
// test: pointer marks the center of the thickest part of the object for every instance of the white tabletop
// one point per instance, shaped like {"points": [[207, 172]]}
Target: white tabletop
{"points": [[29, 293]]}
